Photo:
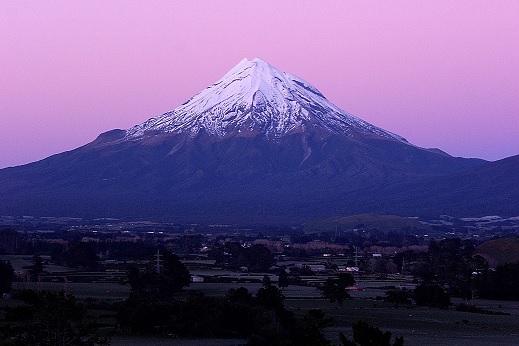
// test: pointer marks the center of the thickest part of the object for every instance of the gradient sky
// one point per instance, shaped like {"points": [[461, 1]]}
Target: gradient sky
{"points": [[442, 74]]}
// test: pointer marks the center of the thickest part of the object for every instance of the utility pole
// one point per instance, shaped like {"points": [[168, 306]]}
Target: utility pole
{"points": [[157, 262], [402, 265], [356, 272]]}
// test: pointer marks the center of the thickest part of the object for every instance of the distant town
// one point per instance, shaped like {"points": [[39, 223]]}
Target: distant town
{"points": [[477, 228]]}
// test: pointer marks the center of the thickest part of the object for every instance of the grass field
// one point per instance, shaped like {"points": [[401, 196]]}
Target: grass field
{"points": [[419, 326], [136, 341], [103, 291]]}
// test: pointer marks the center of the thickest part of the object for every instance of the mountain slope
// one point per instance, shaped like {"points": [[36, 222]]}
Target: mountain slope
{"points": [[488, 189], [499, 251], [237, 179], [259, 145]]}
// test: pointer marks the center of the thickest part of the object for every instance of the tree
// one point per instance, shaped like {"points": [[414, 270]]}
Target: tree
{"points": [[256, 258], [382, 266], [270, 297], [229, 254], [266, 282], [6, 276], [239, 295], [259, 258], [10, 241], [310, 331], [282, 279], [51, 319], [173, 275], [334, 289], [501, 283], [398, 296], [450, 263], [365, 334], [263, 319], [36, 267], [432, 295], [175, 272], [77, 255]]}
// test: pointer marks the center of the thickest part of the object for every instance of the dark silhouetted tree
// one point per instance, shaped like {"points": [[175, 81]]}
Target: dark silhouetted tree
{"points": [[432, 295], [239, 295], [259, 258], [266, 282], [36, 267], [78, 255], [283, 279], [6, 276], [334, 289], [270, 297], [256, 258], [501, 283], [309, 332], [399, 296], [51, 319], [450, 263], [171, 278], [365, 334]]}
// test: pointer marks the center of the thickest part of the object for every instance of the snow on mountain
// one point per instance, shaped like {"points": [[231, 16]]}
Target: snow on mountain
{"points": [[256, 97]]}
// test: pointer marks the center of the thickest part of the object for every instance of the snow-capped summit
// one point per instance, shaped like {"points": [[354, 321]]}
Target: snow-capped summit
{"points": [[256, 97]]}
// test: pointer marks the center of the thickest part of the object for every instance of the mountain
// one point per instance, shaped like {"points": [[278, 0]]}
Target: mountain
{"points": [[488, 189], [257, 146], [255, 98], [499, 251]]}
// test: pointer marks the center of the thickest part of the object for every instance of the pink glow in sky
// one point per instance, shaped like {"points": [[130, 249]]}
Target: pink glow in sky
{"points": [[442, 74]]}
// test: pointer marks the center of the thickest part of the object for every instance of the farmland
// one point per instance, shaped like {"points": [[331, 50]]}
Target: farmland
{"points": [[222, 262]]}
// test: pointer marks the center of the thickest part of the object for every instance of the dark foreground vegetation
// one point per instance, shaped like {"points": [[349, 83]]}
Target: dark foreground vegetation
{"points": [[272, 287], [48, 318]]}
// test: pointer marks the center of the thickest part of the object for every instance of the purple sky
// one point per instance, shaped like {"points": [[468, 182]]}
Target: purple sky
{"points": [[442, 74]]}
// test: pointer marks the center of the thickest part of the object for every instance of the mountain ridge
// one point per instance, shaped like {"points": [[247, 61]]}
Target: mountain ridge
{"points": [[279, 160]]}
